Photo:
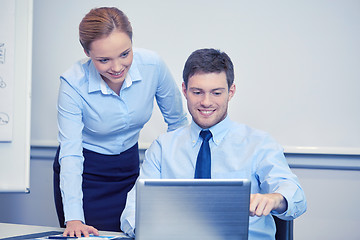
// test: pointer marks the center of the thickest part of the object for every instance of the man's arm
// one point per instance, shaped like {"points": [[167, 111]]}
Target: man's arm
{"points": [[282, 194], [152, 170], [127, 218]]}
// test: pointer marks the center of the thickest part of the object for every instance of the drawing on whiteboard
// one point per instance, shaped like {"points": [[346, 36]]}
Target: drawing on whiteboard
{"points": [[2, 53], [4, 118], [2, 83]]}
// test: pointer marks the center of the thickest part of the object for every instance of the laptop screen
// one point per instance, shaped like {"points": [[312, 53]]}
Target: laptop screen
{"points": [[180, 209]]}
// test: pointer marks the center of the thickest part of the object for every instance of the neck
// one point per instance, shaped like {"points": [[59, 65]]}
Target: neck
{"points": [[114, 86]]}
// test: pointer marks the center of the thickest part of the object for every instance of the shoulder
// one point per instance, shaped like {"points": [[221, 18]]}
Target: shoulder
{"points": [[179, 135], [247, 130], [146, 57], [245, 133], [78, 73]]}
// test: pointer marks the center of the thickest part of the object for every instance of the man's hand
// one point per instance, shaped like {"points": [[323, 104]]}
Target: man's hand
{"points": [[263, 204], [75, 228]]}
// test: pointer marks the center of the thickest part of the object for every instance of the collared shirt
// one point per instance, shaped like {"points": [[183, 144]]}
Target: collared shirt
{"points": [[237, 151], [92, 116]]}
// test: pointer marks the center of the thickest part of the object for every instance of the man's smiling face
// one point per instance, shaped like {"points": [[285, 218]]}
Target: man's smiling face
{"points": [[207, 96]]}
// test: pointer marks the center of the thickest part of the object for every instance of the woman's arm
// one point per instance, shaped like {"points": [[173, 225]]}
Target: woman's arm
{"points": [[169, 99]]}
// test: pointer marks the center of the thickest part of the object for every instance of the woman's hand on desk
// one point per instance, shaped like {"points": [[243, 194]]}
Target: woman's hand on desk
{"points": [[76, 228]]}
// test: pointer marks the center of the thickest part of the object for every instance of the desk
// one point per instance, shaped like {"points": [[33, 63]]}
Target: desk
{"points": [[12, 230]]}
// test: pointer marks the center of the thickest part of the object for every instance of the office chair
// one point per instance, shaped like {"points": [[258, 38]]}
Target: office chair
{"points": [[284, 229]]}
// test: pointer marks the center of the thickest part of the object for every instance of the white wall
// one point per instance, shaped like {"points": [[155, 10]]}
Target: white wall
{"points": [[333, 211], [297, 65], [36, 207]]}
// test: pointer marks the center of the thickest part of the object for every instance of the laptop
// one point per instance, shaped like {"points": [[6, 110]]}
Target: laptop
{"points": [[192, 209]]}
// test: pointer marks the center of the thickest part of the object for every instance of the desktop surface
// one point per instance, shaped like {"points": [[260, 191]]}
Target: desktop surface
{"points": [[18, 231]]}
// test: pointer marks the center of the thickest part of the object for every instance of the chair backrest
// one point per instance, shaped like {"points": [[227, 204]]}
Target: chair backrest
{"points": [[284, 229]]}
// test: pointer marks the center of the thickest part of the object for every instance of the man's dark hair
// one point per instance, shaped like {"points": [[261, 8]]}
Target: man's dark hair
{"points": [[208, 60]]}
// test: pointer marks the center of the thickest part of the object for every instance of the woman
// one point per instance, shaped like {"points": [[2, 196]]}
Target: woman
{"points": [[104, 101]]}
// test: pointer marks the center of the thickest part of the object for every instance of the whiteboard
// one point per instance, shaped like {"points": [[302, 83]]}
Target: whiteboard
{"points": [[15, 148], [297, 63], [7, 47]]}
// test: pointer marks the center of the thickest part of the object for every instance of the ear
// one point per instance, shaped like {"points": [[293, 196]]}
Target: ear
{"points": [[87, 53], [184, 90], [232, 91]]}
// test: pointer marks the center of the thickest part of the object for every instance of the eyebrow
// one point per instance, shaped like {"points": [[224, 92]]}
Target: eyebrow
{"points": [[125, 51], [200, 89]]}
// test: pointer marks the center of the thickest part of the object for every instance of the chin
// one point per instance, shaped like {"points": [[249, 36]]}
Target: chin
{"points": [[205, 125]]}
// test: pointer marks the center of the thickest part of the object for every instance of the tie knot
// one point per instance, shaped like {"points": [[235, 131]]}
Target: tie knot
{"points": [[206, 135]]}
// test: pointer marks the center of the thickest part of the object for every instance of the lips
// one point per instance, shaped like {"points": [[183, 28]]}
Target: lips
{"points": [[118, 74]]}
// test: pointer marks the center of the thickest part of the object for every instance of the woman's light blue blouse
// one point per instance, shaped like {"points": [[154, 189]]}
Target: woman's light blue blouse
{"points": [[93, 116]]}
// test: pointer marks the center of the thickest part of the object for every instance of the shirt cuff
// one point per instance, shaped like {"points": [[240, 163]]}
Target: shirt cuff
{"points": [[127, 228], [74, 213]]}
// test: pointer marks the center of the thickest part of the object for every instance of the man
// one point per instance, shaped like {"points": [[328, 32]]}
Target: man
{"points": [[236, 150]]}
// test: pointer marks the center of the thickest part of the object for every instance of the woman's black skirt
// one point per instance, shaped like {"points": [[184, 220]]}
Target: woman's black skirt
{"points": [[106, 181]]}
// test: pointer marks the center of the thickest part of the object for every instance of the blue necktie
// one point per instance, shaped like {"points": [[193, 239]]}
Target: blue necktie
{"points": [[203, 163]]}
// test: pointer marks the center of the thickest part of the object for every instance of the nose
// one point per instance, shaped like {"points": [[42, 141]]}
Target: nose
{"points": [[206, 100], [116, 66]]}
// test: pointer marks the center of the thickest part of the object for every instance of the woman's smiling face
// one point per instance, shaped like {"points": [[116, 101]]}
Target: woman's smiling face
{"points": [[112, 57]]}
